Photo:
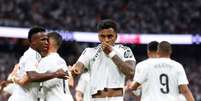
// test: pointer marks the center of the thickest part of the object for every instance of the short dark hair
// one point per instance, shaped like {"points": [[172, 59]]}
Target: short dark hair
{"points": [[57, 37], [107, 23], [164, 47], [152, 46], [35, 30]]}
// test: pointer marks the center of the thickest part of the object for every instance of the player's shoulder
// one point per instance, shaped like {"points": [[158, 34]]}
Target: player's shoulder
{"points": [[120, 46], [30, 54], [171, 61], [144, 63], [58, 58], [147, 61], [177, 64], [90, 50]]}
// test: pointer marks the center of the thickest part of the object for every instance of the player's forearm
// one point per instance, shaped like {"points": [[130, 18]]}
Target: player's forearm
{"points": [[39, 77], [133, 85], [125, 67], [186, 92], [188, 95], [77, 69]]}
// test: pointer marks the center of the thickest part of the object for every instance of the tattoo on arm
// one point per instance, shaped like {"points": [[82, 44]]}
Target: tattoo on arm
{"points": [[126, 68]]}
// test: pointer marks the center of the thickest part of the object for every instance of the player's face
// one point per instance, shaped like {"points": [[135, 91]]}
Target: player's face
{"points": [[40, 42], [107, 35]]}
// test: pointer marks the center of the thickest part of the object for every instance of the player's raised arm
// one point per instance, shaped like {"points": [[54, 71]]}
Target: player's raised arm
{"points": [[126, 67]]}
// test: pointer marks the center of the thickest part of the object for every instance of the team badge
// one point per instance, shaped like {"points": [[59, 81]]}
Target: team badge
{"points": [[127, 54]]}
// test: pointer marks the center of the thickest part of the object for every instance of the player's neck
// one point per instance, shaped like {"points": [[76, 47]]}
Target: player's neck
{"points": [[152, 55], [52, 50], [164, 56]]}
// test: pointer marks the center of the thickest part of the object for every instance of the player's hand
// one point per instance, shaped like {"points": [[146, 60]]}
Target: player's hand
{"points": [[3, 84], [106, 48], [79, 99], [75, 71], [61, 74], [129, 85]]}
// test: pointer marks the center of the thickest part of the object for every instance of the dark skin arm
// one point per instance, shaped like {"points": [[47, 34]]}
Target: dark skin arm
{"points": [[133, 85], [126, 67], [39, 77], [77, 69], [33, 76], [3, 84]]}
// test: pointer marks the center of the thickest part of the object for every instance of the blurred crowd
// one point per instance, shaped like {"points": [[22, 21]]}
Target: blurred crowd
{"points": [[12, 49], [133, 16]]}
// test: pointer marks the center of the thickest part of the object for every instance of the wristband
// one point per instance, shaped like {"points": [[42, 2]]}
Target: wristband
{"points": [[112, 54]]}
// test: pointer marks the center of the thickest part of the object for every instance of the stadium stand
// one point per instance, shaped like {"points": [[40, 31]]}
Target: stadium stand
{"points": [[136, 16], [133, 16]]}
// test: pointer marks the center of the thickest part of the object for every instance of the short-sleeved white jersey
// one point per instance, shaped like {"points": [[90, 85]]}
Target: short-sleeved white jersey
{"points": [[160, 78], [28, 62], [54, 89], [103, 72], [83, 86]]}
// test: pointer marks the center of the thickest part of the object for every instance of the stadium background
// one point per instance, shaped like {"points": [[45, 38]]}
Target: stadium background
{"points": [[134, 16]]}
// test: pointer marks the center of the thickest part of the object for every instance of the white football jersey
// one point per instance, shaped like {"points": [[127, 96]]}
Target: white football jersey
{"points": [[54, 89], [160, 78], [28, 62], [103, 72], [83, 86]]}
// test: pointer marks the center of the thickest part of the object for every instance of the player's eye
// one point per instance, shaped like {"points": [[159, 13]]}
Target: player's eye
{"points": [[109, 36], [102, 36]]}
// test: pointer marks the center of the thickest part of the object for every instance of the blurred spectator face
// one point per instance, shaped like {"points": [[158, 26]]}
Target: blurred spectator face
{"points": [[107, 35], [40, 42]]}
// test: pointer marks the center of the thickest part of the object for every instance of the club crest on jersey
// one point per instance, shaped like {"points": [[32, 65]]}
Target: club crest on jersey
{"points": [[127, 54]]}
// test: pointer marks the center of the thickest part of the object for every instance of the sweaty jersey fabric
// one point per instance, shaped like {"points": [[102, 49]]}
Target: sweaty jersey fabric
{"points": [[160, 78]]}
